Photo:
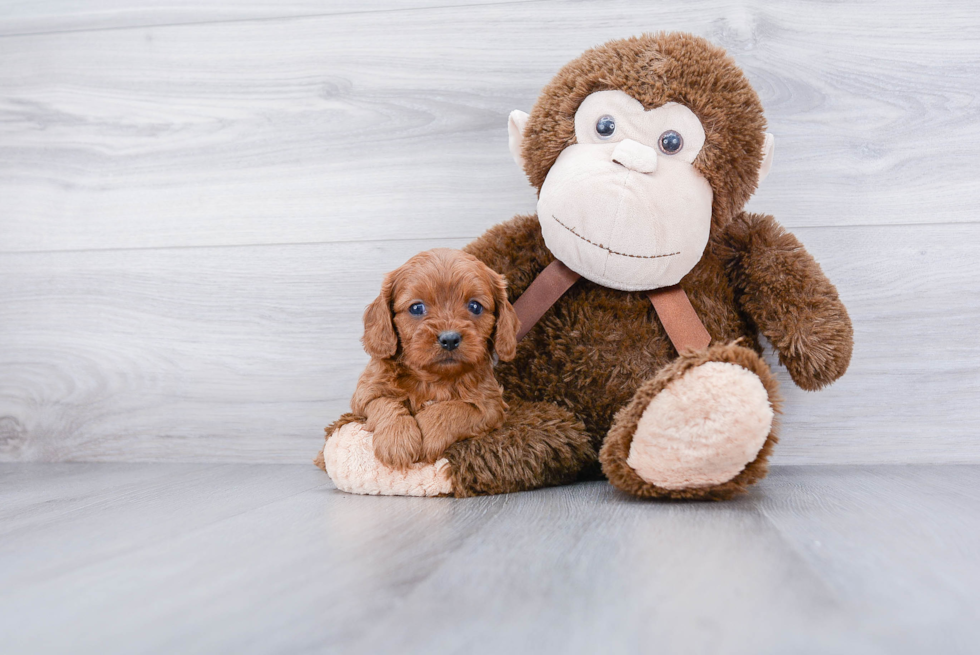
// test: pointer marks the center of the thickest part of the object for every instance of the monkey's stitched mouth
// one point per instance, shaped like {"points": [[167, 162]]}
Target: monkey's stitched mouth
{"points": [[610, 250]]}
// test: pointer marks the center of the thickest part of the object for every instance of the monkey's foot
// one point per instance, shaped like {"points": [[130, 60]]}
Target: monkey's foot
{"points": [[702, 428], [348, 458]]}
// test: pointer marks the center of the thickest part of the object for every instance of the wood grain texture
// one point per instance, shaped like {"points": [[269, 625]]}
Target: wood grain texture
{"points": [[30, 17], [197, 200], [392, 124], [194, 354], [61, 525], [879, 534], [264, 559], [244, 354]]}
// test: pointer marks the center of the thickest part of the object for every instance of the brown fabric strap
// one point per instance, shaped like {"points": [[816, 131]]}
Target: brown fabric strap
{"points": [[673, 308], [545, 290], [680, 321]]}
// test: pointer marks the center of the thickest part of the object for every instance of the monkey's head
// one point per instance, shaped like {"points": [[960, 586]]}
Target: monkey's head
{"points": [[638, 149]]}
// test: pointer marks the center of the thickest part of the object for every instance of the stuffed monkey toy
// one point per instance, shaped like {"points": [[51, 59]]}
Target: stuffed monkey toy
{"points": [[642, 287]]}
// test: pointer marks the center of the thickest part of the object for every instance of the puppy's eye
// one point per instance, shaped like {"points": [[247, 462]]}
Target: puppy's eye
{"points": [[671, 142], [416, 309], [605, 127], [475, 308]]}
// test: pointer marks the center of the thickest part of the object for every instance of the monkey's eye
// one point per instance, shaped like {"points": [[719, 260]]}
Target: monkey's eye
{"points": [[605, 127], [475, 308], [671, 142], [416, 309]]}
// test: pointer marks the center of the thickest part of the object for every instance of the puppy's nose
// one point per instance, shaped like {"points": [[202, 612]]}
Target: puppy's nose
{"points": [[449, 340]]}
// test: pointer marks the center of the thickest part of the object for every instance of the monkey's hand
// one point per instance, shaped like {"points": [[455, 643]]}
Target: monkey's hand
{"points": [[445, 423], [782, 288], [397, 437]]}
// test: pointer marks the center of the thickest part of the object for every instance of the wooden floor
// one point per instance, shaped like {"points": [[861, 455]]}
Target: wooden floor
{"points": [[187, 558]]}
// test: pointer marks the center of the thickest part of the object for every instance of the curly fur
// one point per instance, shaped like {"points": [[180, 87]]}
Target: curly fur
{"points": [[417, 397]]}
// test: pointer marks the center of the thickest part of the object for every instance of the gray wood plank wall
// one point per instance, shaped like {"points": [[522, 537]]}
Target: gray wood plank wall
{"points": [[197, 200]]}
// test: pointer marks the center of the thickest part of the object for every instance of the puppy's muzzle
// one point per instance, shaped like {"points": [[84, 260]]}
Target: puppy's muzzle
{"points": [[449, 340]]}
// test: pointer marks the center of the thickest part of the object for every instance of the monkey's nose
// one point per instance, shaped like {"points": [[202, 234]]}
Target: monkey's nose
{"points": [[635, 156], [449, 340]]}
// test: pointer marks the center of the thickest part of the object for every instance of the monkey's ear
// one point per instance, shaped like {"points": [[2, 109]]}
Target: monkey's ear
{"points": [[507, 325], [515, 135], [380, 340], [768, 147]]}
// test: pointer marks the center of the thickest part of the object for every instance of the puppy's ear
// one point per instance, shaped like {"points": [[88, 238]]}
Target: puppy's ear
{"points": [[380, 340], [507, 325]]}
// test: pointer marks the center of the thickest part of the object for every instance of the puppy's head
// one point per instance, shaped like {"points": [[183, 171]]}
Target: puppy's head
{"points": [[443, 312]]}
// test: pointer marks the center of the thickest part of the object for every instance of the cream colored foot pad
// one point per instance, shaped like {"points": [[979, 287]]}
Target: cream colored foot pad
{"points": [[349, 458], [702, 429]]}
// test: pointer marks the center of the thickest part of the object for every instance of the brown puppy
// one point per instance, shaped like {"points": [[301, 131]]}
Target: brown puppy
{"points": [[432, 335]]}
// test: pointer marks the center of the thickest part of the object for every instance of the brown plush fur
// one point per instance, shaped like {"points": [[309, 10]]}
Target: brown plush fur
{"points": [[790, 300], [595, 338], [417, 397], [539, 445], [585, 372]]}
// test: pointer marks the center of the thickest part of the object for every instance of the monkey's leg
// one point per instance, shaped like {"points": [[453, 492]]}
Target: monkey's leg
{"points": [[702, 428], [348, 458], [539, 445]]}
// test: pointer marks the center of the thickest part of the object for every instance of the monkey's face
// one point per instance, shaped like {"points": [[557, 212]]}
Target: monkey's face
{"points": [[624, 205], [628, 198]]}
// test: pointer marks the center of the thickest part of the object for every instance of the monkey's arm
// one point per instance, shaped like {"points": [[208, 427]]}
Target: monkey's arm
{"points": [[783, 290], [445, 423], [516, 250]]}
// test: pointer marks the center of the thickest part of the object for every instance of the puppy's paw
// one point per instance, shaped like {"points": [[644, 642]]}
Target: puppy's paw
{"points": [[436, 435], [398, 442], [432, 449]]}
